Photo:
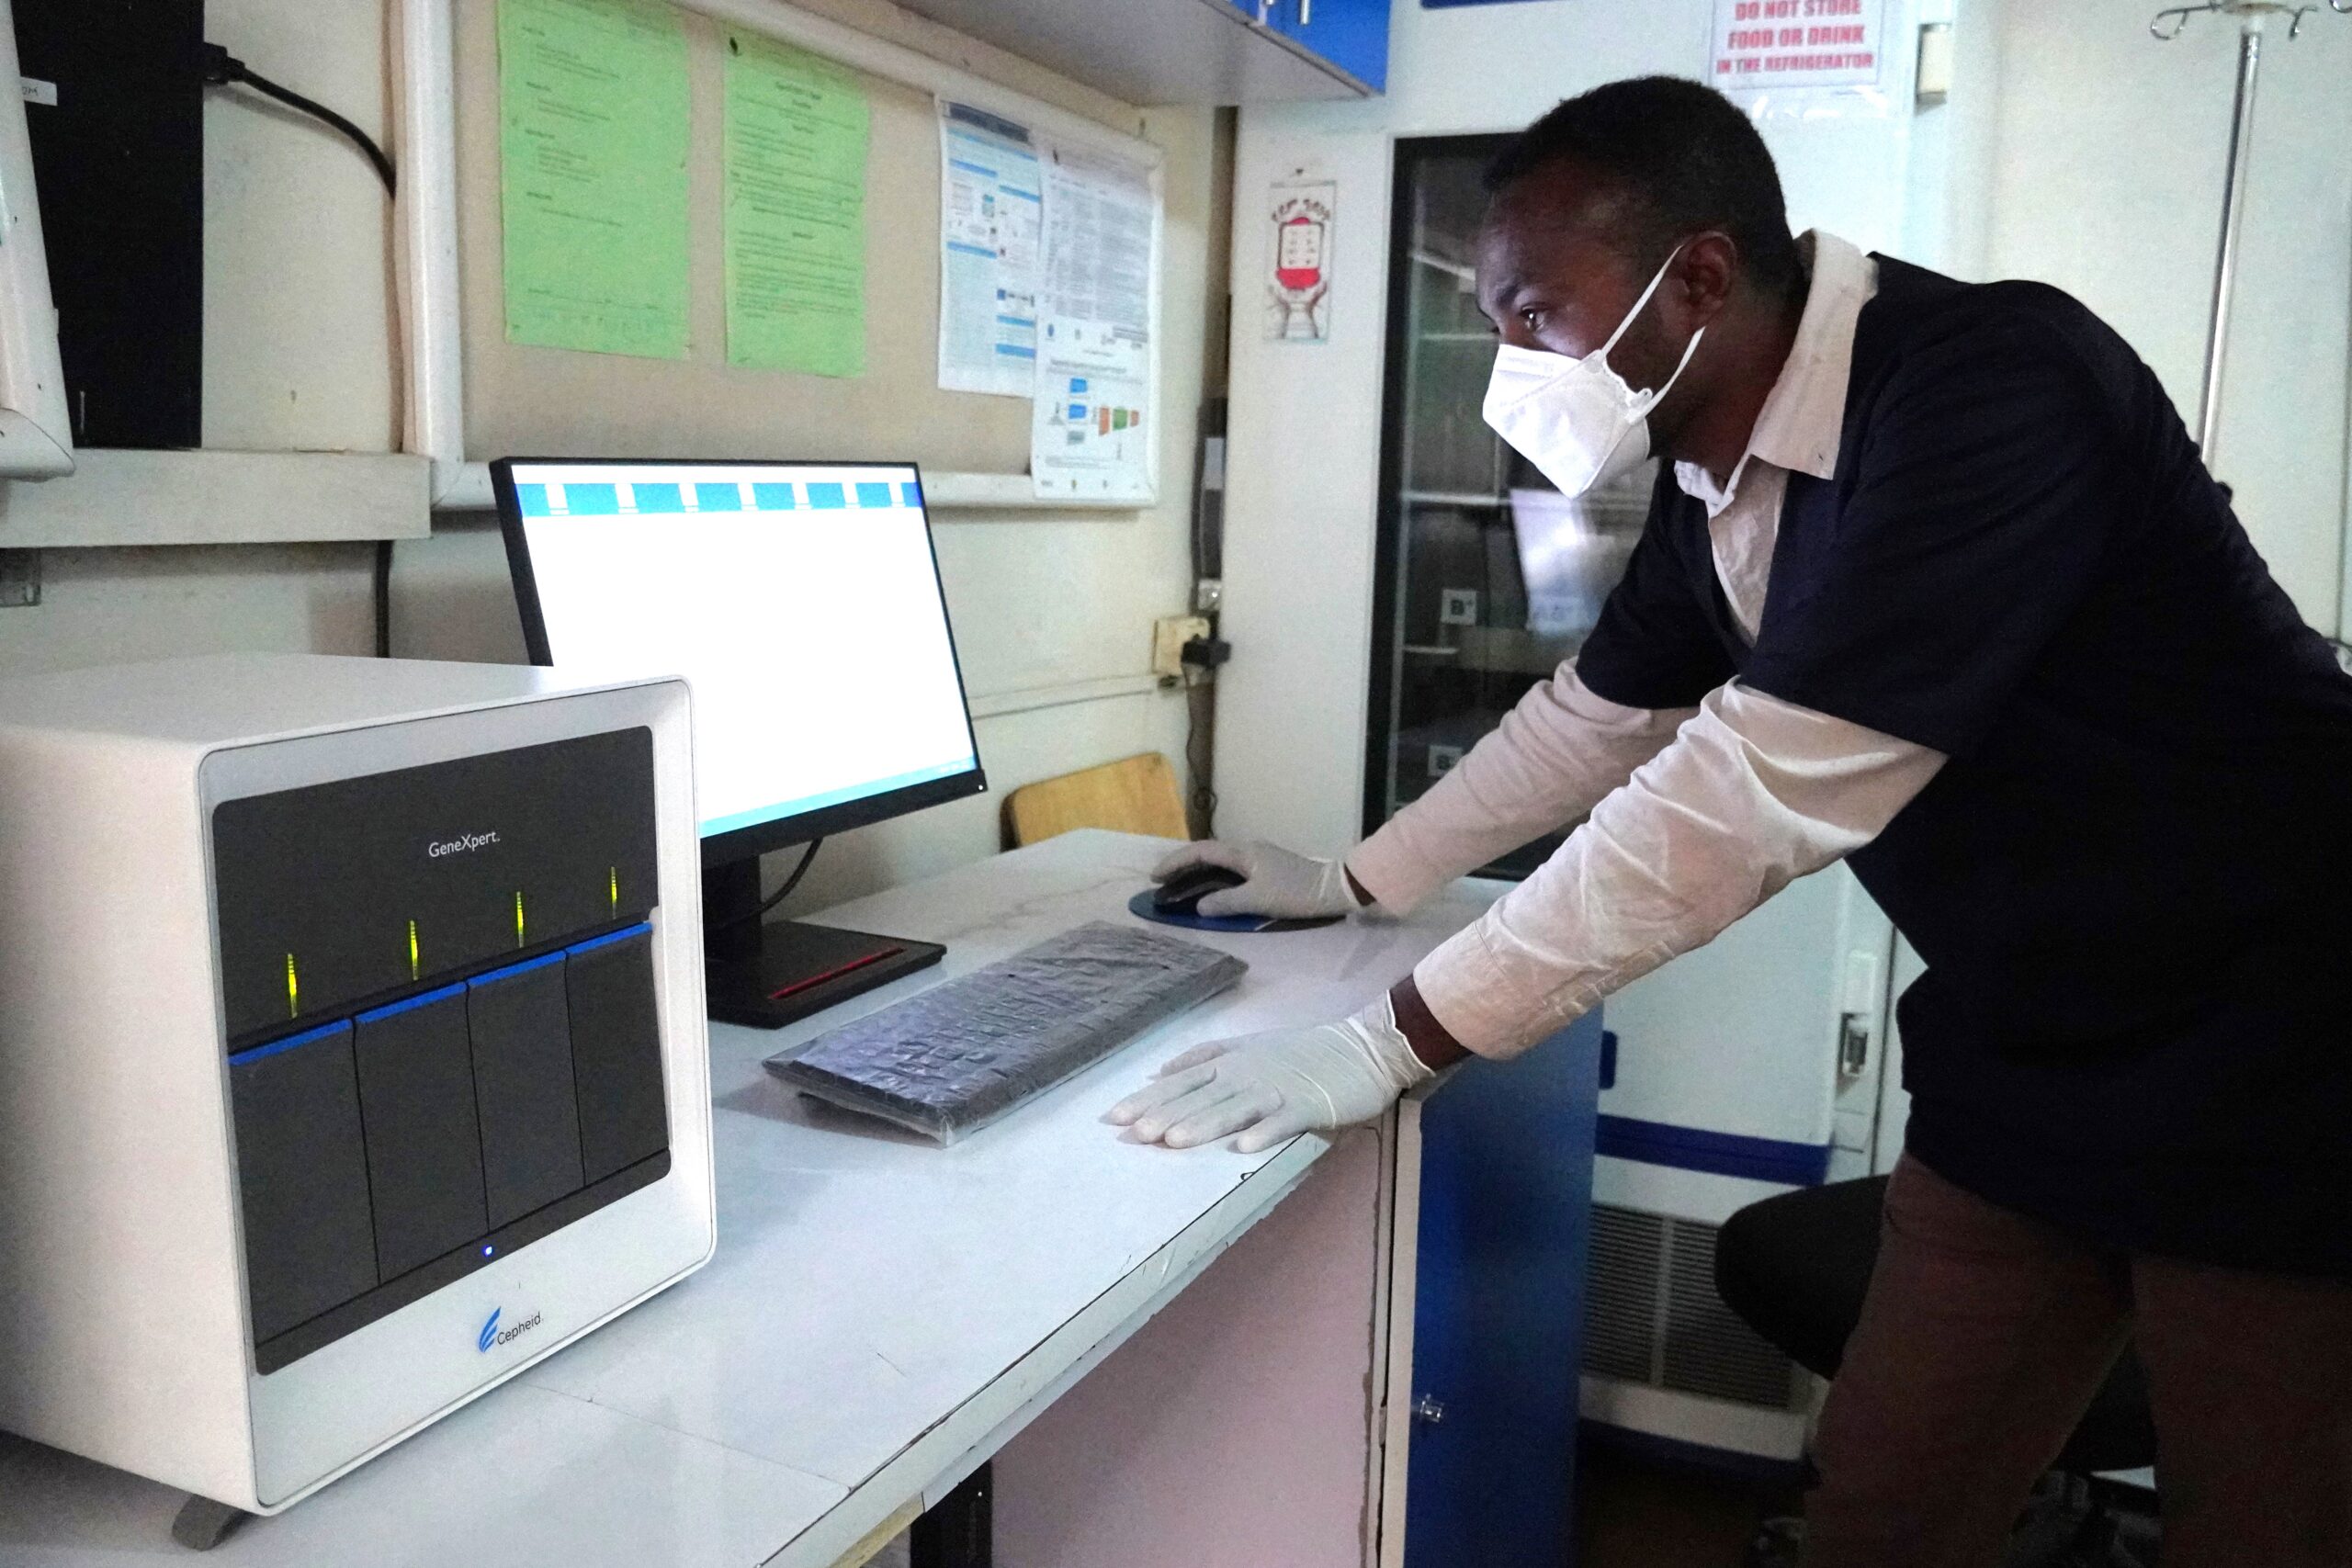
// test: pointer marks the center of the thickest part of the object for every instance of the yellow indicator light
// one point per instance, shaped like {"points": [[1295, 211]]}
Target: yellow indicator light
{"points": [[518, 916], [412, 950], [617, 890], [293, 990]]}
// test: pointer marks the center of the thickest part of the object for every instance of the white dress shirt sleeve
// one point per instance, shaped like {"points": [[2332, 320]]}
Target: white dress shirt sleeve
{"points": [[1753, 793], [1551, 759]]}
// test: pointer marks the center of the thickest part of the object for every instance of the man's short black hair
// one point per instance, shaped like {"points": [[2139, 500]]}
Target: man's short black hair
{"points": [[1687, 158]]}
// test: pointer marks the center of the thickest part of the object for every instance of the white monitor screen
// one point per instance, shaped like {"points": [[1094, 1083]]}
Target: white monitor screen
{"points": [[800, 601]]}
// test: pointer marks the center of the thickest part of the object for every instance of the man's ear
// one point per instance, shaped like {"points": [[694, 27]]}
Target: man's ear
{"points": [[1702, 280]]}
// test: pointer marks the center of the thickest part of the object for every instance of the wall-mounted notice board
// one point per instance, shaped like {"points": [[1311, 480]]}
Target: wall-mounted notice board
{"points": [[723, 244]]}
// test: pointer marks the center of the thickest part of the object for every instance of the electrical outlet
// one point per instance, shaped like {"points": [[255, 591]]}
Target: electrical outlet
{"points": [[1442, 760], [1168, 635], [1457, 607]]}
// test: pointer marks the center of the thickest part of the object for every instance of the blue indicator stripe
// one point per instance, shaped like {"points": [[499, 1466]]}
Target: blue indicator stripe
{"points": [[1720, 1154], [514, 969], [773, 497], [409, 1004], [869, 494], [718, 498], [827, 496], [911, 493], [532, 499], [308, 1037], [642, 928]]}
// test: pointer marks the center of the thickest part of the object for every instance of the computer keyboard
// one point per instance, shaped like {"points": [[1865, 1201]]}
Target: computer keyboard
{"points": [[960, 1054]]}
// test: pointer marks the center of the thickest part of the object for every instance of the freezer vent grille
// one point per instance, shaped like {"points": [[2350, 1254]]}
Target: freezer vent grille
{"points": [[1654, 1317]]}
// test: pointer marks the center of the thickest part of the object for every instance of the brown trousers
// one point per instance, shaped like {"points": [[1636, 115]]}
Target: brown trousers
{"points": [[1982, 1341]]}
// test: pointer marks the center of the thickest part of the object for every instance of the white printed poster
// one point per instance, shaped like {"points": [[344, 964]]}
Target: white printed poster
{"points": [[992, 231], [1782, 45], [1298, 278], [1093, 422]]}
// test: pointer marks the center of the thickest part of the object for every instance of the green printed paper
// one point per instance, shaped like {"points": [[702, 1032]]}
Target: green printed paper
{"points": [[592, 136], [796, 210]]}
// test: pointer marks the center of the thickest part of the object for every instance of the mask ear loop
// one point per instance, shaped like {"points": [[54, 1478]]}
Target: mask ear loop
{"points": [[1657, 278], [1648, 400]]}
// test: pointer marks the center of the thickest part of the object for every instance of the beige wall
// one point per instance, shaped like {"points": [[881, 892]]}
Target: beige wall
{"points": [[1049, 609]]}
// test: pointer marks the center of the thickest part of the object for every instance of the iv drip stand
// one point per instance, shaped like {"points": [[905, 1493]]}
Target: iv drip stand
{"points": [[2253, 16]]}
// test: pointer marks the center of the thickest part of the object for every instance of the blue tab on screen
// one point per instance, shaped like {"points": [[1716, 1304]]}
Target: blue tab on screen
{"points": [[720, 498], [593, 501], [910, 493], [1015, 351], [871, 494], [1077, 412], [1078, 383], [657, 498], [532, 499], [774, 496], [826, 495]]}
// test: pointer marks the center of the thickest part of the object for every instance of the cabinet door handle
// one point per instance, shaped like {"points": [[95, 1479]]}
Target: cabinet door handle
{"points": [[1853, 1044], [1306, 12], [1265, 9]]}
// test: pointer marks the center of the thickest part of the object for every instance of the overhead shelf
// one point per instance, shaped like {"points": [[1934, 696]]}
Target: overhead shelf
{"points": [[1187, 52], [218, 498], [1010, 494]]}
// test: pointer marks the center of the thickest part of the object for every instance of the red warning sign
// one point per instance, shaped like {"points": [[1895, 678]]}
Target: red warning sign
{"points": [[1761, 45]]}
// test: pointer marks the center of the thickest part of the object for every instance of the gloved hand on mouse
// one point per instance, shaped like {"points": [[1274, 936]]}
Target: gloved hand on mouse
{"points": [[1276, 1085], [1275, 882]]}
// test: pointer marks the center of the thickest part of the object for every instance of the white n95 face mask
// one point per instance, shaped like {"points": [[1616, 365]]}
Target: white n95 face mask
{"points": [[1576, 419]]}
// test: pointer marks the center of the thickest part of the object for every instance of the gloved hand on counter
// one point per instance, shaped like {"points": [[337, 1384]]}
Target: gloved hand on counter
{"points": [[1276, 883], [1272, 1086]]}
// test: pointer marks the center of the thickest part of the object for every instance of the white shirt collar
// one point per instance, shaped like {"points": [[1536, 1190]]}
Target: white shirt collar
{"points": [[1800, 425]]}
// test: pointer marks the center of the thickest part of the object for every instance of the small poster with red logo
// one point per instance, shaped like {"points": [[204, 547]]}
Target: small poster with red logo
{"points": [[1775, 45], [1298, 288]]}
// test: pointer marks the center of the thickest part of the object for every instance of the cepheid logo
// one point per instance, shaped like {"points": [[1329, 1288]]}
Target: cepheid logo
{"points": [[493, 1335]]}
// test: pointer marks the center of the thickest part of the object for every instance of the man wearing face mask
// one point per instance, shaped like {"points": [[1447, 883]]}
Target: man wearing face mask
{"points": [[1933, 580]]}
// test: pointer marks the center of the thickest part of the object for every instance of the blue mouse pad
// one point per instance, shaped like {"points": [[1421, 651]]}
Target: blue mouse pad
{"points": [[1141, 905]]}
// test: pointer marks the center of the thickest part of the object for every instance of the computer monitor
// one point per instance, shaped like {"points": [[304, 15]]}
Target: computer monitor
{"points": [[802, 603]]}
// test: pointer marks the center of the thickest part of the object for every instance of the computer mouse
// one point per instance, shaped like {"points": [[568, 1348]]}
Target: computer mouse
{"points": [[1182, 894]]}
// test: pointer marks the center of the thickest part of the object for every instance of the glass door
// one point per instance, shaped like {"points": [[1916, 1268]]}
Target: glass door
{"points": [[1488, 577]]}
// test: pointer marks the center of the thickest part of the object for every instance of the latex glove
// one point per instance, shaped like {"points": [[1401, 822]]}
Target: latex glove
{"points": [[1278, 884], [1273, 1086]]}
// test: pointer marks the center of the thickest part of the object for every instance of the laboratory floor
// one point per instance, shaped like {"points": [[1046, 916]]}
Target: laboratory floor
{"points": [[1633, 1511]]}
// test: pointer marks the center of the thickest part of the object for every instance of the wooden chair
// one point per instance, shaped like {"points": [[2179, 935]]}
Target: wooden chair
{"points": [[1135, 795]]}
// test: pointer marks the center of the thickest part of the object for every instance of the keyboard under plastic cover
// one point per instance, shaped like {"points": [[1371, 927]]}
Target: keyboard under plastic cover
{"points": [[955, 1057]]}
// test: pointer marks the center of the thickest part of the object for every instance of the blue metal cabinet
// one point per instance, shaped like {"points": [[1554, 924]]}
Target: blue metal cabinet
{"points": [[1350, 34], [1506, 1204]]}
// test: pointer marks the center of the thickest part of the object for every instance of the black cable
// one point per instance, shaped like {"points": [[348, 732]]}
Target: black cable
{"points": [[1200, 730], [383, 598], [778, 897], [222, 69]]}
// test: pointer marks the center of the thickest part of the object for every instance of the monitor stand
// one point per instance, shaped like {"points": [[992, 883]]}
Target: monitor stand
{"points": [[770, 974]]}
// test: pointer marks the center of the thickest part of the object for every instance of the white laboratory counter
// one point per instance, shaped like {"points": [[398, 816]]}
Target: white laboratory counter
{"points": [[880, 1318]]}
